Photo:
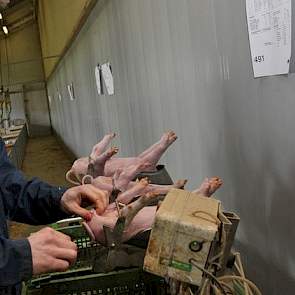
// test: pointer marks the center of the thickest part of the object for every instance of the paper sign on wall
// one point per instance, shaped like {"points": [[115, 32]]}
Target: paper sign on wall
{"points": [[71, 91], [98, 79], [108, 78], [269, 26]]}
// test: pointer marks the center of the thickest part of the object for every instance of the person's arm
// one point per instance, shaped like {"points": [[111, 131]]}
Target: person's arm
{"points": [[29, 201], [15, 261]]}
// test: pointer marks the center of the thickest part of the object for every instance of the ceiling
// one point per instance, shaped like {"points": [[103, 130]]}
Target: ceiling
{"points": [[18, 13], [6, 4]]}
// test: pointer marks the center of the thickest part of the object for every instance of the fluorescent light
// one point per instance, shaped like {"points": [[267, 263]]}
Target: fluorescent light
{"points": [[1, 16], [5, 30]]}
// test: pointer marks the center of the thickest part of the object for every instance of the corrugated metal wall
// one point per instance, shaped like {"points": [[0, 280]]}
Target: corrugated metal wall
{"points": [[185, 65]]}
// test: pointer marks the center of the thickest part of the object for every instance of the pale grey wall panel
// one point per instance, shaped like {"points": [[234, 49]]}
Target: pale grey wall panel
{"points": [[185, 65], [38, 113], [259, 126], [17, 105]]}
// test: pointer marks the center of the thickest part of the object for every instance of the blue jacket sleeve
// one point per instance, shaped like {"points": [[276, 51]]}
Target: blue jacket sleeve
{"points": [[28, 201], [15, 263]]}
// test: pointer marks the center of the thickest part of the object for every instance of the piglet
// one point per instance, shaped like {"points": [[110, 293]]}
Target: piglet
{"points": [[139, 218]]}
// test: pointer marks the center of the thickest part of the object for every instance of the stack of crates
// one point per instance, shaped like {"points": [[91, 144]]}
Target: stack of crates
{"points": [[81, 280]]}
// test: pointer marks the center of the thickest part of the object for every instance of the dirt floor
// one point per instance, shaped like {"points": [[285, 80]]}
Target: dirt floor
{"points": [[46, 160]]}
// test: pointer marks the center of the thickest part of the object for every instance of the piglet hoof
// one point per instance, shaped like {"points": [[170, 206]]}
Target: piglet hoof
{"points": [[215, 184], [168, 138], [180, 183], [110, 135], [144, 181], [112, 151], [172, 137], [209, 186]]}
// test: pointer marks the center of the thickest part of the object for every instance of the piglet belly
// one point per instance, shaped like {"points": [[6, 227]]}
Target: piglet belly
{"points": [[94, 227], [142, 221], [118, 163]]}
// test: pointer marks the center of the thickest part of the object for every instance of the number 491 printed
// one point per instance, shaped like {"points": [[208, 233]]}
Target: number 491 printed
{"points": [[259, 58]]}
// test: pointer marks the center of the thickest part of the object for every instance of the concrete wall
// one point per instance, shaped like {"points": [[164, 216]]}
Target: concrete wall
{"points": [[185, 65], [24, 73]]}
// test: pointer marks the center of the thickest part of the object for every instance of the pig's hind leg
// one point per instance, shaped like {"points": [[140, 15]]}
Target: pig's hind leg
{"points": [[100, 147], [209, 186], [156, 151]]}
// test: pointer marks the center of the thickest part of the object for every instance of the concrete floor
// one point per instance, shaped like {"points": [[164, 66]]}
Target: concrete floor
{"points": [[45, 159]]}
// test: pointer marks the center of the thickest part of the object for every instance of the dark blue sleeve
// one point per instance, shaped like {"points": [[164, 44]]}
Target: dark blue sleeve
{"points": [[28, 201], [15, 263]]}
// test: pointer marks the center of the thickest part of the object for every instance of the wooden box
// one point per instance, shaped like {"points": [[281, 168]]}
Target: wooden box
{"points": [[185, 226]]}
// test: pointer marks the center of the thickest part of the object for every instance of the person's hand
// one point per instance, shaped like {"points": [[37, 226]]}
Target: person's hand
{"points": [[72, 199], [51, 251]]}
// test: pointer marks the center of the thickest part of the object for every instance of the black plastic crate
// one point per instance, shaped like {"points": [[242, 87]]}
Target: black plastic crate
{"points": [[82, 280], [131, 281]]}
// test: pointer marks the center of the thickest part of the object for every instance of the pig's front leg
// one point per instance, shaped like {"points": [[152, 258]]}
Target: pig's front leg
{"points": [[131, 210], [123, 177], [136, 189], [164, 189], [100, 147], [100, 161], [209, 186], [154, 154]]}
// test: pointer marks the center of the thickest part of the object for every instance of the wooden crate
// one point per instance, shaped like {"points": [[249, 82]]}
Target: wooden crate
{"points": [[185, 227]]}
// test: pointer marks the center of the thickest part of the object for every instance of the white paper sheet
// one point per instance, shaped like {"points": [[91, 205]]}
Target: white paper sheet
{"points": [[71, 91], [98, 79], [108, 78], [269, 26]]}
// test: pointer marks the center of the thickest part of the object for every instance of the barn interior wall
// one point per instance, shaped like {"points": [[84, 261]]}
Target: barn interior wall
{"points": [[22, 72], [186, 66]]}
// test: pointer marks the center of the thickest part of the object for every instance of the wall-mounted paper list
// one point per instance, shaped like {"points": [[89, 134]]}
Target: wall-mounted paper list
{"points": [[108, 78], [98, 79], [269, 26]]}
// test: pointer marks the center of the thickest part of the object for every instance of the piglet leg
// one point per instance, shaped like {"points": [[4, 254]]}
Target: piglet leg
{"points": [[100, 161], [100, 147], [131, 210], [164, 189], [209, 186], [152, 147], [154, 154], [123, 177], [133, 192]]}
